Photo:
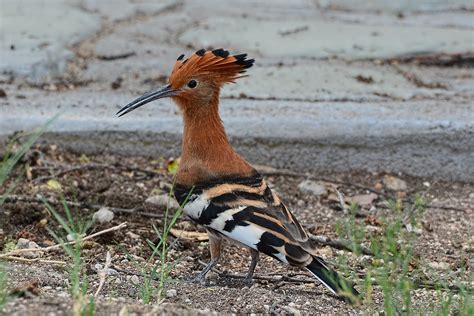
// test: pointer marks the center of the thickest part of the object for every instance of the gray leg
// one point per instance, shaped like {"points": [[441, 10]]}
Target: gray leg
{"points": [[254, 254], [215, 245]]}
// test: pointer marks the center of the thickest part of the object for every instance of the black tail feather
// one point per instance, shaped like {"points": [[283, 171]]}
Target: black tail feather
{"points": [[331, 279]]}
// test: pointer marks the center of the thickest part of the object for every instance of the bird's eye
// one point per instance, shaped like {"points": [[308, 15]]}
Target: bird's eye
{"points": [[192, 84]]}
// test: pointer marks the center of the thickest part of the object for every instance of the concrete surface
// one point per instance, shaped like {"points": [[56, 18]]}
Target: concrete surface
{"points": [[36, 36], [324, 94]]}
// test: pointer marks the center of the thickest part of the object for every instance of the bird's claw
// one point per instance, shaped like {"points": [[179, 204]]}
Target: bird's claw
{"points": [[198, 279], [248, 281]]}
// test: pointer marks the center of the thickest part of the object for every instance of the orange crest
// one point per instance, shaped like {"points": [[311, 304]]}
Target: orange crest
{"points": [[217, 65]]}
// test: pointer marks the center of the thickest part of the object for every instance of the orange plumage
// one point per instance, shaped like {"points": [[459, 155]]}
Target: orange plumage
{"points": [[226, 195], [206, 152]]}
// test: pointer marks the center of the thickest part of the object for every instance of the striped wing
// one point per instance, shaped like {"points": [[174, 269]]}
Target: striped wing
{"points": [[247, 211]]}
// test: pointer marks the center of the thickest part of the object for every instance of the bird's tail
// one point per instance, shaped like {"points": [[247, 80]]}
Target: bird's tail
{"points": [[332, 280]]}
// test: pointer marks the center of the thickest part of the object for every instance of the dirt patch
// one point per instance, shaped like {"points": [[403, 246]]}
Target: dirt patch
{"points": [[445, 242]]}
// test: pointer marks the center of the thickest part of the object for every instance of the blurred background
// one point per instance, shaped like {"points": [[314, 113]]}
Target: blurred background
{"points": [[337, 85]]}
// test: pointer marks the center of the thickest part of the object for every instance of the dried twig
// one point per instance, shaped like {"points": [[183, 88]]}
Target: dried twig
{"points": [[127, 271], [103, 273], [21, 259], [58, 246], [340, 244], [40, 199], [90, 166]]}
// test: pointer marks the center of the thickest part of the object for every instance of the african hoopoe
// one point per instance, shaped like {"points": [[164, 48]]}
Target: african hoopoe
{"points": [[225, 194]]}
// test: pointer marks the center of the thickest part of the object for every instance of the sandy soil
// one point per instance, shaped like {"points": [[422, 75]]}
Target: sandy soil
{"points": [[444, 243]]}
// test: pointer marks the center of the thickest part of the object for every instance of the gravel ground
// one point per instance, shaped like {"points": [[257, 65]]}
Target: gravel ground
{"points": [[443, 247]]}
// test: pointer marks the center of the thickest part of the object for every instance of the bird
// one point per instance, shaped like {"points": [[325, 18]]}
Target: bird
{"points": [[220, 190]]}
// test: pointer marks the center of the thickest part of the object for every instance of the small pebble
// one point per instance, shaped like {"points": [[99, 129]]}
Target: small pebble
{"points": [[103, 215], [171, 293], [372, 229], [438, 265], [72, 237], [162, 200], [378, 186], [98, 267], [394, 183], [24, 243], [312, 187], [132, 235], [134, 279]]}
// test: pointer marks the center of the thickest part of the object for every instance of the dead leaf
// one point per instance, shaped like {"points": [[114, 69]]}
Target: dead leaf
{"points": [[372, 220], [189, 235], [173, 165], [84, 159], [54, 185]]}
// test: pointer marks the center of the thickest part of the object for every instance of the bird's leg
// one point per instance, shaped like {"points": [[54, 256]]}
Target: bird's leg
{"points": [[215, 245], [254, 254]]}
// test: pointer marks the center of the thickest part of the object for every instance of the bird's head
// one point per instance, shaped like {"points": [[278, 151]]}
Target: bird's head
{"points": [[196, 81]]}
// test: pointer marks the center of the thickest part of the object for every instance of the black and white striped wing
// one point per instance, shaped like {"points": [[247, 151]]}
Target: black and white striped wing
{"points": [[247, 211]]}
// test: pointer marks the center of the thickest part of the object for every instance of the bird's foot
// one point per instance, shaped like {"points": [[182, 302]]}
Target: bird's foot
{"points": [[248, 281], [198, 279]]}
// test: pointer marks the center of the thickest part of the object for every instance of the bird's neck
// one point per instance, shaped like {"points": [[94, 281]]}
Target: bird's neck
{"points": [[206, 151]]}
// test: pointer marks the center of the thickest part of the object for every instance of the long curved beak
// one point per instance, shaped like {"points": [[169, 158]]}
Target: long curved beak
{"points": [[164, 92]]}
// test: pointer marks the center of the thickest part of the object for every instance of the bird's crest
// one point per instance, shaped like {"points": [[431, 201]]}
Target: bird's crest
{"points": [[218, 64]]}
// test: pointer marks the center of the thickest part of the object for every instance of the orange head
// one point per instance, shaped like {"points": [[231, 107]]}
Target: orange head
{"points": [[196, 81]]}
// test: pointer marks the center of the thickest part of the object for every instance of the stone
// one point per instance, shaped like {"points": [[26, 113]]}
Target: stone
{"points": [[103, 215], [134, 279], [24, 243], [171, 293], [438, 265], [74, 236], [363, 199], [468, 246], [291, 310], [326, 252], [132, 235], [312, 187], [162, 200], [372, 229], [394, 183]]}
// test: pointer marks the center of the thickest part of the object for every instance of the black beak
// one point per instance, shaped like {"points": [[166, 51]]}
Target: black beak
{"points": [[164, 92]]}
